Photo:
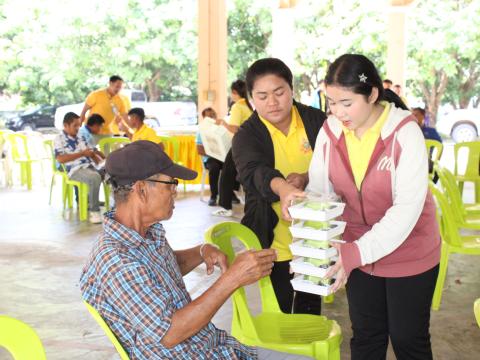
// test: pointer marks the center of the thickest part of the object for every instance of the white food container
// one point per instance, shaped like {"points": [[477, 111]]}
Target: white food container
{"points": [[298, 249], [300, 284], [299, 231], [301, 266], [301, 211]]}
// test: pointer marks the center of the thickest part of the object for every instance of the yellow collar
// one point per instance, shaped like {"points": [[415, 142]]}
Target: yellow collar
{"points": [[294, 124], [377, 127], [141, 128]]}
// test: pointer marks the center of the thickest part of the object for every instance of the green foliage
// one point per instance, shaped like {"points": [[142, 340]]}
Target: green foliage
{"points": [[249, 31], [328, 29], [443, 52], [57, 51]]}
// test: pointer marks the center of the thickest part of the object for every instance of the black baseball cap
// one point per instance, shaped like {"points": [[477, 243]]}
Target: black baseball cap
{"points": [[140, 160]]}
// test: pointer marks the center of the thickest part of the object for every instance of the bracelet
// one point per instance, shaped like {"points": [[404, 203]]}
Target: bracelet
{"points": [[201, 248]]}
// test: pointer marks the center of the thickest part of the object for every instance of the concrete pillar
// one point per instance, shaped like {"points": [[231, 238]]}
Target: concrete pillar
{"points": [[283, 32], [212, 56], [397, 41]]}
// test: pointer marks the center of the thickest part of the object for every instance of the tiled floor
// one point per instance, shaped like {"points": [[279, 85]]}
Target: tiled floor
{"points": [[42, 253]]}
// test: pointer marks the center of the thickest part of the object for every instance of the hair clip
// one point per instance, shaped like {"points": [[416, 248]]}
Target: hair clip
{"points": [[362, 78]]}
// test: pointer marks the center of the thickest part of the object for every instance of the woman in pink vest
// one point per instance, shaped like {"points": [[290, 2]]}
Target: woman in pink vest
{"points": [[372, 154]]}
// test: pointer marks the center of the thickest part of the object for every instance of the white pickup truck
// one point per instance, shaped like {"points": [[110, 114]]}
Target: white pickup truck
{"points": [[163, 114]]}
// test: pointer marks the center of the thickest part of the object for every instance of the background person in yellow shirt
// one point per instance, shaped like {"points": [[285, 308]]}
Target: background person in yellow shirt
{"points": [[239, 113], [272, 152], [109, 104], [138, 129]]}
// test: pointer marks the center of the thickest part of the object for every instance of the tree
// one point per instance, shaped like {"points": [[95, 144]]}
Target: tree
{"points": [[328, 29], [53, 58], [249, 31], [444, 56]]}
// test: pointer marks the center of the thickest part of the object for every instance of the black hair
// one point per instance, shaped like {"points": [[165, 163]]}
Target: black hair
{"points": [[421, 110], [388, 81], [204, 111], [69, 118], [137, 112], [392, 97], [115, 78], [240, 87], [268, 66], [356, 73], [95, 119]]}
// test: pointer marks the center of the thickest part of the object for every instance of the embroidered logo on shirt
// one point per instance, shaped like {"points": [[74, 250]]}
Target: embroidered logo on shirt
{"points": [[306, 148], [385, 164]]}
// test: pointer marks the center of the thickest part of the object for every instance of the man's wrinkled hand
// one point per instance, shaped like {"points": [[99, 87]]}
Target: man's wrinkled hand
{"points": [[214, 257]]}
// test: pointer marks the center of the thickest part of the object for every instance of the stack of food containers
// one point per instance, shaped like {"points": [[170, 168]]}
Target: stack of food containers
{"points": [[313, 229]]}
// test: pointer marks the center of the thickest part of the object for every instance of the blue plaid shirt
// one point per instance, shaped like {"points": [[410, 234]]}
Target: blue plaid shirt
{"points": [[136, 285], [66, 144]]}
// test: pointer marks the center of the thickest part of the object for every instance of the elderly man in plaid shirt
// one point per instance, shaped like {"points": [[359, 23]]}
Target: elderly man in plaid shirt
{"points": [[134, 279]]}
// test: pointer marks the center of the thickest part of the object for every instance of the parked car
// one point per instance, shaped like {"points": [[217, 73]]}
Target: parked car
{"points": [[462, 124], [31, 119]]}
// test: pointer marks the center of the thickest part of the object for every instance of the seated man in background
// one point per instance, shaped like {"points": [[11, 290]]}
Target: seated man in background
{"points": [[428, 132], [138, 130], [90, 128], [134, 278], [213, 165], [79, 160]]}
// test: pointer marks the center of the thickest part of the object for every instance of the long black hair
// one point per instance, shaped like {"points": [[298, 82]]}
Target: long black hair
{"points": [[240, 87]]}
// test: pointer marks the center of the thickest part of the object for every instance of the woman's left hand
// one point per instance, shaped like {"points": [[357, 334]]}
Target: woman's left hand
{"points": [[338, 270]]}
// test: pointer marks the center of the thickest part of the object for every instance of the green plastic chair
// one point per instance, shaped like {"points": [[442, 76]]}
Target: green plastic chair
{"points": [[434, 149], [109, 144], [98, 318], [472, 171], [452, 241], [20, 155], [302, 334], [68, 187], [176, 153], [20, 340], [466, 216], [476, 310]]}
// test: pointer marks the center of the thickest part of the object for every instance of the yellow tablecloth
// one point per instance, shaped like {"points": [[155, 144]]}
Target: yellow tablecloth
{"points": [[188, 155]]}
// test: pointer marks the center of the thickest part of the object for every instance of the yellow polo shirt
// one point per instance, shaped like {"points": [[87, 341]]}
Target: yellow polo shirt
{"points": [[360, 150], [146, 133], [292, 155], [102, 103], [239, 113]]}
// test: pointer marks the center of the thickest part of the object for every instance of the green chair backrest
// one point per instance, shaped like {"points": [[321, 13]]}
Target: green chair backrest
{"points": [[98, 318], [451, 192], [434, 149], [109, 144], [36, 147], [20, 340], [476, 310], [448, 226], [18, 146], [473, 158], [222, 235], [49, 148]]}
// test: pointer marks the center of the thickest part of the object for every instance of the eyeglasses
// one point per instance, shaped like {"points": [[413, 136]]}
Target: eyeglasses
{"points": [[173, 182]]}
